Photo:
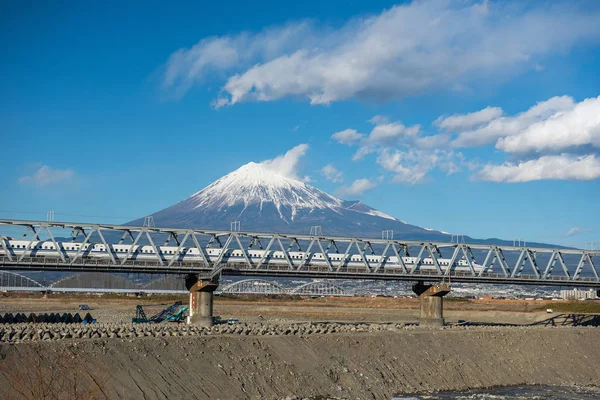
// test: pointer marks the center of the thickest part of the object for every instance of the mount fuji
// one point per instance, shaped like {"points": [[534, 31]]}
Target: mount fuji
{"points": [[265, 201]]}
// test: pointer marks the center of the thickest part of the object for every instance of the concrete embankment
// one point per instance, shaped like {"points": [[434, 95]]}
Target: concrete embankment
{"points": [[357, 365]]}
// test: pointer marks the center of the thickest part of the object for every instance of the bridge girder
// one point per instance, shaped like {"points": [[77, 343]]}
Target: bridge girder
{"points": [[363, 258]]}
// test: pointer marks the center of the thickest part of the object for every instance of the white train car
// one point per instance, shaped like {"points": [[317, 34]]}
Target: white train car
{"points": [[187, 254]]}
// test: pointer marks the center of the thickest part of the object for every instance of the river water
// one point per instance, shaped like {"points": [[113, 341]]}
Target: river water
{"points": [[512, 392]]}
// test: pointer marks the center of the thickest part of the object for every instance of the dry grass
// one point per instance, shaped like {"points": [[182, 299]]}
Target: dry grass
{"points": [[578, 307], [297, 302]]}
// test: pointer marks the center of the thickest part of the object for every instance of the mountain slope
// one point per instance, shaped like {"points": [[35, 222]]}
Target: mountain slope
{"points": [[265, 201]]}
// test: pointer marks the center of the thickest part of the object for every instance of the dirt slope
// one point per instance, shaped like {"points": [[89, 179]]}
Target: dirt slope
{"points": [[348, 365]]}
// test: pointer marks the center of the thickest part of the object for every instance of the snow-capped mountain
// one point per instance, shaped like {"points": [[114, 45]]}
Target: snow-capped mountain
{"points": [[256, 185], [264, 200]]}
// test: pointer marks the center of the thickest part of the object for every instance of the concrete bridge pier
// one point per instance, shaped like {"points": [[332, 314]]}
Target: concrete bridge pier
{"points": [[201, 301], [432, 302]]}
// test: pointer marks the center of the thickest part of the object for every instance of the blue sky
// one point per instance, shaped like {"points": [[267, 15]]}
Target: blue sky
{"points": [[472, 117]]}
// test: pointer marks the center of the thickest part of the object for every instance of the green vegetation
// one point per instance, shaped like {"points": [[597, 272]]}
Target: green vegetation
{"points": [[585, 307]]}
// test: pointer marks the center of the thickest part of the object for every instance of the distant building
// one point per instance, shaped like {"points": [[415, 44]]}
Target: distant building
{"points": [[576, 294]]}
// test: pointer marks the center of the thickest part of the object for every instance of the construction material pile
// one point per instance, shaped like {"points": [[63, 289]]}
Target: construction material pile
{"points": [[25, 332], [22, 332], [65, 318]]}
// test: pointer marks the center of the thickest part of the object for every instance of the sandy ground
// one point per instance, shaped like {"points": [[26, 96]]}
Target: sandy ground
{"points": [[282, 350], [361, 365], [110, 310]]}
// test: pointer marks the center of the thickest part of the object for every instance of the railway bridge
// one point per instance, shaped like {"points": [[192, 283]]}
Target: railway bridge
{"points": [[204, 255]]}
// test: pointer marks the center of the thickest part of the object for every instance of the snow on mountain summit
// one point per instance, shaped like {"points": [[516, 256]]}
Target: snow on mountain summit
{"points": [[256, 183], [269, 197]]}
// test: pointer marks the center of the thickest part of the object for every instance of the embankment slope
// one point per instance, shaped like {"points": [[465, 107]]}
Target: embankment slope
{"points": [[347, 365]]}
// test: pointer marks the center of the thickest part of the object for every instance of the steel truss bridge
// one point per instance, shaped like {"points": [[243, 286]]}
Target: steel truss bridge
{"points": [[88, 283], [260, 286], [486, 263]]}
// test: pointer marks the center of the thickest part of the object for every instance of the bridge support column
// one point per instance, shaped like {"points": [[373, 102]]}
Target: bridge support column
{"points": [[201, 301], [432, 302]]}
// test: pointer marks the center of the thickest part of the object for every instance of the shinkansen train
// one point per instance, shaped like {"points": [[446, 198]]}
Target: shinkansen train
{"points": [[191, 254]]}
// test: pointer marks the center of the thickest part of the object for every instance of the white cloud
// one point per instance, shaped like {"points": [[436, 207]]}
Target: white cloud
{"points": [[347, 136], [559, 129], [363, 151], [558, 167], [408, 49], [574, 231], [188, 66], [432, 141], [412, 166], [47, 175], [331, 173], [287, 164], [556, 125], [379, 119], [468, 121], [506, 126], [576, 126], [357, 188], [405, 152], [386, 132]]}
